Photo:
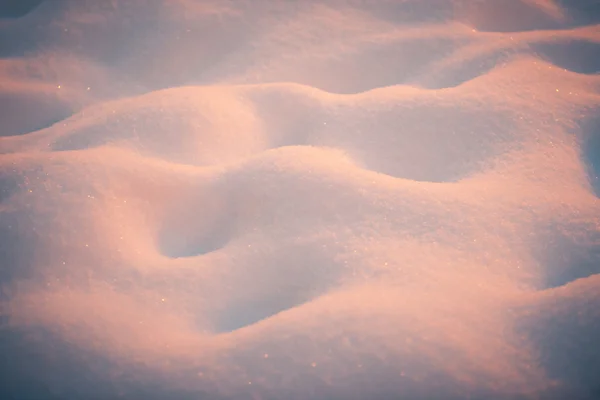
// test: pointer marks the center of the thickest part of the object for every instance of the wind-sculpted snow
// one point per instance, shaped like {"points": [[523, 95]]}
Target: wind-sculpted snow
{"points": [[300, 200]]}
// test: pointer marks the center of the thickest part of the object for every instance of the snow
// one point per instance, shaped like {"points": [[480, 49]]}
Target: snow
{"points": [[324, 200]]}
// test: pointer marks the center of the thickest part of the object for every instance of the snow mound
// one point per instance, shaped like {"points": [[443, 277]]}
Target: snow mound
{"points": [[325, 200]]}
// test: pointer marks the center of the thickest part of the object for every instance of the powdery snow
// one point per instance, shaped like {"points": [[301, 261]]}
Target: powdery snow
{"points": [[300, 200]]}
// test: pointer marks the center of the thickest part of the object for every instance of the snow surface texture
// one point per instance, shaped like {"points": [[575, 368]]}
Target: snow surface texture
{"points": [[300, 200]]}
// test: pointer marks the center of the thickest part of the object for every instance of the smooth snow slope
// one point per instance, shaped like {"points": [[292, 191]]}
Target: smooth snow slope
{"points": [[300, 200]]}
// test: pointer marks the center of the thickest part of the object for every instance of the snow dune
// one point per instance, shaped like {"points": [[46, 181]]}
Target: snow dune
{"points": [[302, 200]]}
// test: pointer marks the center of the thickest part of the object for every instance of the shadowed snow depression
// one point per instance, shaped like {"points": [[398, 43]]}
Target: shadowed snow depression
{"points": [[328, 200]]}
